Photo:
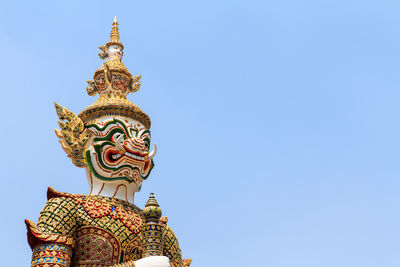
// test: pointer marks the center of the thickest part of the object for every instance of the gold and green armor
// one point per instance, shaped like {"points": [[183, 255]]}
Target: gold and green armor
{"points": [[111, 140], [84, 230]]}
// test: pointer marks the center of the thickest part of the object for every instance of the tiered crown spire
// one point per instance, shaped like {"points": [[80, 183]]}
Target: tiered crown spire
{"points": [[114, 35], [113, 82]]}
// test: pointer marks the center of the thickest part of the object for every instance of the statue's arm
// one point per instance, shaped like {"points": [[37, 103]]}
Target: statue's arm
{"points": [[51, 254], [52, 239]]}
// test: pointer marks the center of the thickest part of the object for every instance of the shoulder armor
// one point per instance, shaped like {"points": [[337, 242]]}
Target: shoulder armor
{"points": [[37, 237], [51, 193]]}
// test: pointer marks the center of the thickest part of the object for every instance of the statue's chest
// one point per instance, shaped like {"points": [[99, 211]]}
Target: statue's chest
{"points": [[108, 233]]}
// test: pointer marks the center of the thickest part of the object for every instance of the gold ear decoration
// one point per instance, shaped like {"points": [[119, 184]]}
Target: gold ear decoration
{"points": [[103, 55], [73, 135], [91, 89], [134, 83]]}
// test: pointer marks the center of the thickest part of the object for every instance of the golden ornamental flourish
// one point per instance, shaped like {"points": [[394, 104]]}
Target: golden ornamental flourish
{"points": [[73, 135]]}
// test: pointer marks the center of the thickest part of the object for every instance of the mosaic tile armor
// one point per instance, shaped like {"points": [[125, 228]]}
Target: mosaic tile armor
{"points": [[84, 230], [111, 140]]}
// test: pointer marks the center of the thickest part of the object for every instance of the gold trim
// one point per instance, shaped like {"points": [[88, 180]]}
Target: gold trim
{"points": [[114, 105]]}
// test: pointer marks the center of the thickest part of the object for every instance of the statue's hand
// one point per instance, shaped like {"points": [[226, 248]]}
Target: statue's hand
{"points": [[153, 261]]}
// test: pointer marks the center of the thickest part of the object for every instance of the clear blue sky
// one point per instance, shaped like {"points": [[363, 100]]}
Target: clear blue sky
{"points": [[277, 122]]}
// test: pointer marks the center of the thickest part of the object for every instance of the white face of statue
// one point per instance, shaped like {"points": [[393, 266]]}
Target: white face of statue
{"points": [[119, 151], [115, 52]]}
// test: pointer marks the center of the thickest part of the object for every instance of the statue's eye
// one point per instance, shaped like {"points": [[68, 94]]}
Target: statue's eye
{"points": [[146, 143]]}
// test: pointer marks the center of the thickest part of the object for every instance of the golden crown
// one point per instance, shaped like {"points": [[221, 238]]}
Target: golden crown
{"points": [[113, 82]]}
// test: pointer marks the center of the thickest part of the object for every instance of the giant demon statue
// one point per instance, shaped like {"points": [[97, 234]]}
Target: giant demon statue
{"points": [[111, 139]]}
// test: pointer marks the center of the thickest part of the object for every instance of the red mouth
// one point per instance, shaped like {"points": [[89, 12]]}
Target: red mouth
{"points": [[113, 155], [135, 152]]}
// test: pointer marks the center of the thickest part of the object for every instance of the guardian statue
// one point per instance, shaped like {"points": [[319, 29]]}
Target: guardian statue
{"points": [[111, 140]]}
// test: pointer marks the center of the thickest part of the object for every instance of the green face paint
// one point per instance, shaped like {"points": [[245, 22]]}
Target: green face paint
{"points": [[119, 150]]}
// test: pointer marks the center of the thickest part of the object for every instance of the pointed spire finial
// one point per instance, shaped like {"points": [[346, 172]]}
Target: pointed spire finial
{"points": [[152, 211], [114, 36]]}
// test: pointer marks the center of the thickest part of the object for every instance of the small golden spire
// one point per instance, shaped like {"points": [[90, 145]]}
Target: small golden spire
{"points": [[152, 229], [152, 211], [114, 36]]}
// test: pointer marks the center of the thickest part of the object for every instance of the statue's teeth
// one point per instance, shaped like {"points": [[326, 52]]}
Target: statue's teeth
{"points": [[117, 156], [134, 156]]}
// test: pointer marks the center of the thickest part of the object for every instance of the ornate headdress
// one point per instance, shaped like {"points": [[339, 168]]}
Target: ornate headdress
{"points": [[113, 82], [114, 35]]}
